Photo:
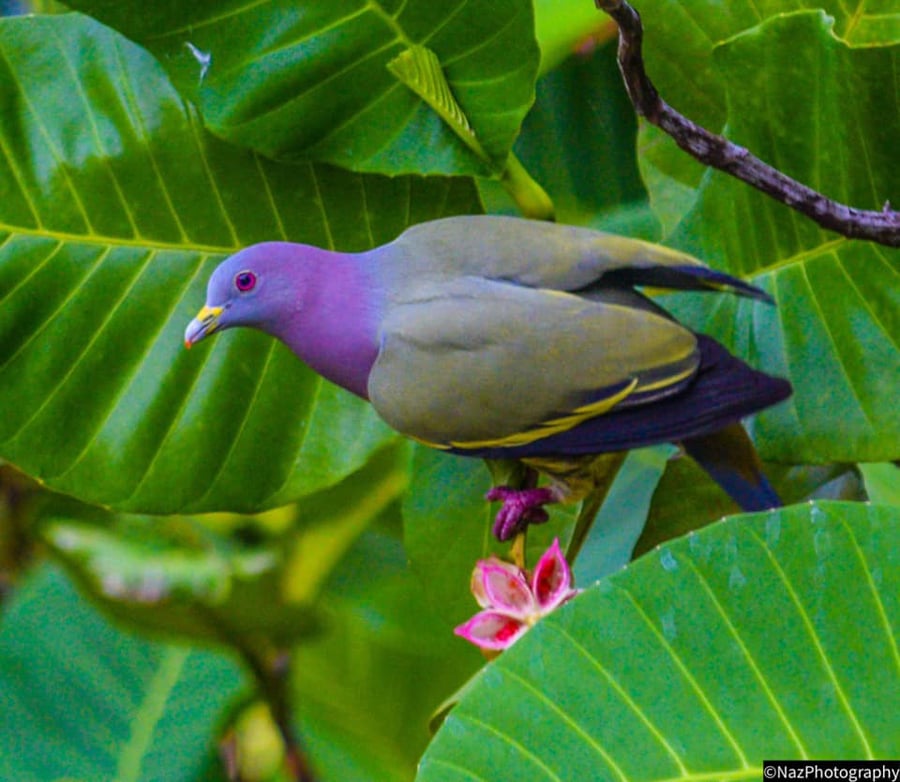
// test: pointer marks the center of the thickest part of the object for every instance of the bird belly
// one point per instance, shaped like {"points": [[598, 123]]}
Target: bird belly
{"points": [[574, 477]]}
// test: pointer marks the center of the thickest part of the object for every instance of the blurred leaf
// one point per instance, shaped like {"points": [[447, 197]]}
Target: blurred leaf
{"points": [[366, 687], [150, 575], [794, 90], [332, 520], [310, 80], [259, 748], [687, 499], [82, 700], [622, 517], [563, 27], [174, 576], [882, 482], [767, 635], [578, 141], [114, 209]]}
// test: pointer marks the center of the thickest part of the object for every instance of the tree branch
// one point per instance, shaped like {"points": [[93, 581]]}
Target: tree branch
{"points": [[271, 677], [712, 150]]}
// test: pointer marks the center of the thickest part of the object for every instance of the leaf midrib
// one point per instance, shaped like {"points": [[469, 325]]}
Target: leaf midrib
{"points": [[149, 714], [117, 241]]}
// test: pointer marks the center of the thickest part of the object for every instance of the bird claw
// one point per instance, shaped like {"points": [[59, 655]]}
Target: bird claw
{"points": [[521, 507]]}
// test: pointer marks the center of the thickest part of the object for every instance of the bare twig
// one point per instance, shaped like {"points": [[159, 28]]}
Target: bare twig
{"points": [[712, 150], [271, 669], [271, 676]]}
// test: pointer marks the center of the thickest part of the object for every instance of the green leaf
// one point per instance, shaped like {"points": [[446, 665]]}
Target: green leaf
{"points": [[82, 700], [681, 43], [578, 141], [882, 482], [420, 69], [312, 80], [179, 575], [687, 499], [771, 635], [620, 521], [365, 688], [801, 93], [114, 209]]}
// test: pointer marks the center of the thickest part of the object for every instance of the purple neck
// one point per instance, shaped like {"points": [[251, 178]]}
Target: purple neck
{"points": [[335, 330]]}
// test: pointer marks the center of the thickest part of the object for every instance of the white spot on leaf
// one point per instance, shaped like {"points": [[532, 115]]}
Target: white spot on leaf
{"points": [[204, 58], [668, 561], [667, 620]]}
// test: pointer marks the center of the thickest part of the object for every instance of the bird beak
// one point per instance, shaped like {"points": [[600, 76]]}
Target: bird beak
{"points": [[206, 322]]}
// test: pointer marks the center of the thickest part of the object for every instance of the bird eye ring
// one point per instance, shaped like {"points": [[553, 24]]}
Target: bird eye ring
{"points": [[245, 281]]}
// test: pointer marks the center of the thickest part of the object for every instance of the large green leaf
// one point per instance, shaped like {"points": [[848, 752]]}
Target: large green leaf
{"points": [[194, 578], [681, 42], [686, 499], [114, 208], [311, 79], [795, 91], [765, 636], [83, 701]]}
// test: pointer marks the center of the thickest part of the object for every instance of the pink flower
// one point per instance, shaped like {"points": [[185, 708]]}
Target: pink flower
{"points": [[513, 600]]}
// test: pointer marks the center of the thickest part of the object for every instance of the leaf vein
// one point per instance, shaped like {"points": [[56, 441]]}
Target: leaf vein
{"points": [[127, 381], [623, 694], [808, 626], [50, 394], [689, 678], [804, 754], [507, 739]]}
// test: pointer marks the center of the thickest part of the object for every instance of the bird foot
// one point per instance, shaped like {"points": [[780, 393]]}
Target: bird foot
{"points": [[521, 507]]}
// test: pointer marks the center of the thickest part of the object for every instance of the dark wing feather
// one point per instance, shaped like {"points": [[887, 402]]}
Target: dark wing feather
{"points": [[723, 391]]}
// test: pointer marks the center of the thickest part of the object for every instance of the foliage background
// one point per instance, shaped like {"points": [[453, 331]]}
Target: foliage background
{"points": [[139, 146]]}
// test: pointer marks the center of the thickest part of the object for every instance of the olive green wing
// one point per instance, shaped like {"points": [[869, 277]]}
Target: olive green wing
{"points": [[480, 363], [539, 254]]}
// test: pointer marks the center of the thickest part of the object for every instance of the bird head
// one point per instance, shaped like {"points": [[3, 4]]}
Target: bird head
{"points": [[254, 287]]}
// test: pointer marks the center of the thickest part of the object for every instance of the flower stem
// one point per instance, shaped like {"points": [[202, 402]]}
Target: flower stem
{"points": [[517, 551]]}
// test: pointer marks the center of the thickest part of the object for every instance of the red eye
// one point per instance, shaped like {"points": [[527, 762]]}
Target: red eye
{"points": [[245, 281]]}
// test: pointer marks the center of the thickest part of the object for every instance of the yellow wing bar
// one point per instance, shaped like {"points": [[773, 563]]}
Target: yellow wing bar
{"points": [[553, 426]]}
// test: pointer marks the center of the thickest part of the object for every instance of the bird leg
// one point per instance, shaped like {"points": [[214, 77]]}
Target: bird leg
{"points": [[521, 507]]}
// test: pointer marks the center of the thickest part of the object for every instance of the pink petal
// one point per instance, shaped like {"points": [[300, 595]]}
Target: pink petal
{"points": [[508, 591], [492, 630], [477, 584], [552, 579]]}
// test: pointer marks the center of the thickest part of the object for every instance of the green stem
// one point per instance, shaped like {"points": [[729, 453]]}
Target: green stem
{"points": [[271, 669], [271, 673], [529, 196], [606, 468]]}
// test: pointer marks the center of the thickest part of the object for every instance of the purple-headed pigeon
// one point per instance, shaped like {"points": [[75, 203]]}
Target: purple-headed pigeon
{"points": [[506, 338]]}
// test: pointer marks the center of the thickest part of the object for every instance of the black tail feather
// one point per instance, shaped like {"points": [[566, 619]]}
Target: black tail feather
{"points": [[684, 278], [731, 460]]}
